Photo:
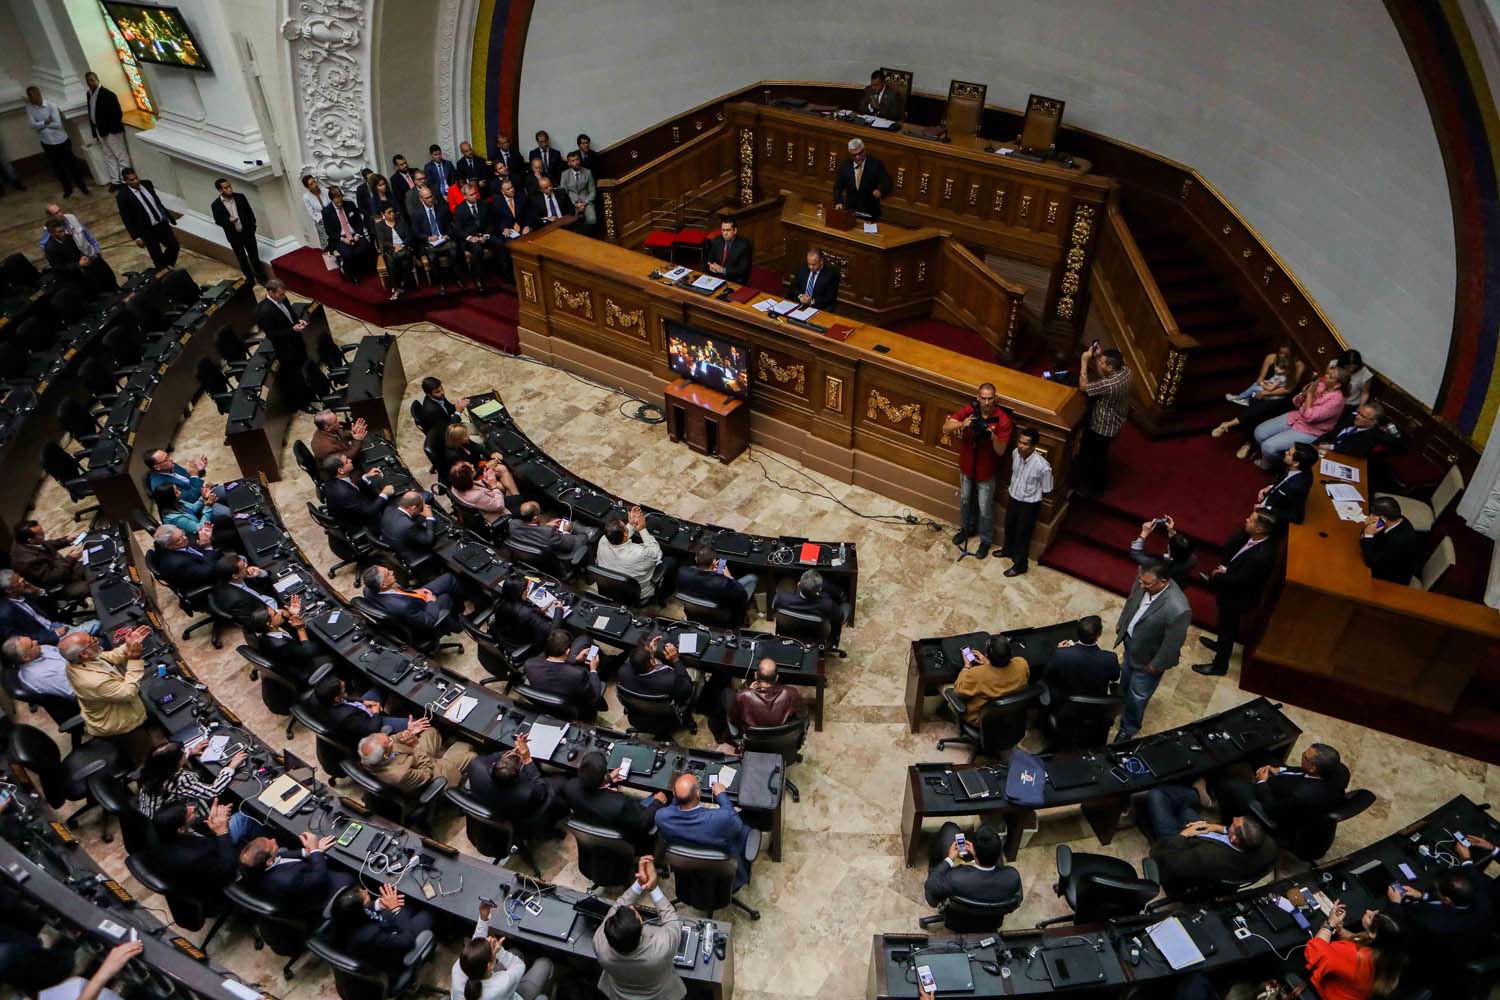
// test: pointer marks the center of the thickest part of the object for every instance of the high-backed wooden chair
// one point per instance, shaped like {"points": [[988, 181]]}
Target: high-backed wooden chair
{"points": [[1043, 119], [965, 107], [899, 80]]}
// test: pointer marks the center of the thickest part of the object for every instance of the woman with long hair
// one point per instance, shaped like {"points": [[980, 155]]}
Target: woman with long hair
{"points": [[1356, 965], [1315, 410], [486, 971], [180, 513]]}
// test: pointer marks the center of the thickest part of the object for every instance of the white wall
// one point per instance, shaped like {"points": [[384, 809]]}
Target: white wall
{"points": [[1307, 116]]}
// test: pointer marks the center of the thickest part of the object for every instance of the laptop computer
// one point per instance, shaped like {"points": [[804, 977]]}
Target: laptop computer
{"points": [[593, 909], [1073, 965], [474, 557], [950, 970], [555, 920], [388, 664], [1068, 772], [539, 476], [732, 543], [1166, 759], [596, 505]]}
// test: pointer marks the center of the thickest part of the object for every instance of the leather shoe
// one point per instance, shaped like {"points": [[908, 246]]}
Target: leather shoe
{"points": [[1208, 643], [984, 550], [1014, 572], [959, 537], [1209, 670]]}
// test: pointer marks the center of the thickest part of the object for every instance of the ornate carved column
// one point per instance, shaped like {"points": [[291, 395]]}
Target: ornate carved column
{"points": [[451, 73], [329, 57], [1069, 303], [747, 166]]}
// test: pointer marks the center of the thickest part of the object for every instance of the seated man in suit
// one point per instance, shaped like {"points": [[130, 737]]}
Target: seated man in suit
{"points": [[985, 678], [1358, 433], [410, 759], [976, 871], [439, 172], [817, 284], [185, 564], [295, 880], [861, 183], [1079, 666], [1447, 927], [352, 720], [394, 243], [765, 701], [242, 589], [815, 596], [512, 786], [354, 500], [577, 185], [654, 668], [552, 161], [347, 236], [187, 478], [636, 958], [430, 224], [406, 526], [330, 437], [473, 231], [554, 535], [549, 206], [1287, 497], [413, 197], [48, 562], [436, 409], [283, 640], [76, 257], [20, 614], [566, 671], [1201, 853], [728, 256], [1238, 584], [628, 547], [513, 212], [41, 672], [1391, 547], [594, 796], [195, 860], [686, 822], [709, 578], [377, 930], [878, 100], [1290, 796], [430, 609]]}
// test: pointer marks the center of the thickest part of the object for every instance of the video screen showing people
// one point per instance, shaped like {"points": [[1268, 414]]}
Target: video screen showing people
{"points": [[717, 364], [157, 35]]}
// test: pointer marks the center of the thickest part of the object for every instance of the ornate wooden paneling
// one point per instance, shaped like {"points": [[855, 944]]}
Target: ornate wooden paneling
{"points": [[781, 372]]}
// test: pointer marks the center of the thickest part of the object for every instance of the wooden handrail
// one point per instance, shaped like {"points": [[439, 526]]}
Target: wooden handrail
{"points": [[969, 294], [1138, 267]]}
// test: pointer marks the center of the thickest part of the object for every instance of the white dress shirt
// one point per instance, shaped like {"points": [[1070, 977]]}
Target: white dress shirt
{"points": [[636, 560], [1030, 477], [46, 675], [48, 123], [1146, 599]]}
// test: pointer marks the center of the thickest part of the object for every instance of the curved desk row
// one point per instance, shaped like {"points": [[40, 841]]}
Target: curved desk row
{"points": [[1076, 959], [459, 880], [264, 402], [934, 662], [542, 478]]}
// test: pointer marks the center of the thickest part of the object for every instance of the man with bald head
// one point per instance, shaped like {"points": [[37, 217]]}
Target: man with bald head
{"points": [[407, 527], [686, 821], [107, 685], [332, 438]]}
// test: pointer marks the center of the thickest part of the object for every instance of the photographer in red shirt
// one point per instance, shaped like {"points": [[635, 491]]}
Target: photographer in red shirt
{"points": [[983, 430]]}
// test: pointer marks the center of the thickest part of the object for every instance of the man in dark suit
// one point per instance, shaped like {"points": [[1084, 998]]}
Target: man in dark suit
{"points": [[347, 237], [364, 194], [878, 99], [976, 871], [354, 719], [88, 272], [377, 930], [709, 578], [1238, 584], [588, 157], [564, 670], [729, 256], [184, 563], [19, 614], [1201, 853], [1359, 432], [1079, 666], [1152, 627], [196, 861], [354, 501], [1290, 796], [686, 822], [407, 527], [428, 610], [815, 596], [511, 785], [515, 163], [655, 669], [469, 167], [440, 173], [430, 223], [595, 798], [514, 215], [1391, 547], [393, 242], [1287, 497], [283, 324], [242, 589], [232, 211], [548, 204], [861, 183], [107, 124], [296, 880], [283, 639], [817, 284], [474, 232], [403, 182], [531, 528], [1447, 927], [436, 409], [146, 219], [552, 160]]}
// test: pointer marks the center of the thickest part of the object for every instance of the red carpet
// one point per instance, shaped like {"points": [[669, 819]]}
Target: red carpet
{"points": [[946, 335], [488, 317]]}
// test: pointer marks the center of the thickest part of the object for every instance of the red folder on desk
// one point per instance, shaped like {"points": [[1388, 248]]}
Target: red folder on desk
{"points": [[839, 331], [743, 294], [810, 552]]}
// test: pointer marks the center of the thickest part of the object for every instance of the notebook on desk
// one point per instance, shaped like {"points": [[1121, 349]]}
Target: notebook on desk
{"points": [[1166, 759]]}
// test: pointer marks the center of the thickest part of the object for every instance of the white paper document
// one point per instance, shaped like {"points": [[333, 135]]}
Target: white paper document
{"points": [[1348, 510], [878, 122], [708, 282], [725, 776], [1343, 492], [1339, 470], [677, 273], [784, 306], [805, 314], [460, 709], [872, 228], [544, 739], [1176, 945], [765, 305], [687, 643]]}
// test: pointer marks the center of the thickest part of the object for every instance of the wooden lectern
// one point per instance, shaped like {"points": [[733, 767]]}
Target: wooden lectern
{"points": [[711, 422]]}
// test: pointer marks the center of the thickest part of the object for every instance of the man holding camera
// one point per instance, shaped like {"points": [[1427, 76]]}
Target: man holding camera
{"points": [[1105, 379], [983, 430]]}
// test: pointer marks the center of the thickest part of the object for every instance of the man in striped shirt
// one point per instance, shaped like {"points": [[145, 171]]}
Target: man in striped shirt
{"points": [[1030, 480], [1103, 377]]}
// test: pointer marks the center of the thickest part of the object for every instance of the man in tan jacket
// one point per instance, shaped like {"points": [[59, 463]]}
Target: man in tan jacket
{"points": [[413, 757], [108, 686], [986, 678]]}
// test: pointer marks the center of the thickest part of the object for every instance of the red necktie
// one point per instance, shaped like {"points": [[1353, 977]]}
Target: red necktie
{"points": [[726, 253]]}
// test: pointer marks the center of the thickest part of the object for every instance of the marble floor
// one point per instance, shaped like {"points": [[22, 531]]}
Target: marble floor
{"points": [[842, 878]]}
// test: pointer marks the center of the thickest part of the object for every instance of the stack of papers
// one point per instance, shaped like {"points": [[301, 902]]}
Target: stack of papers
{"points": [[803, 315], [460, 709], [1348, 511], [784, 306], [725, 776], [485, 410], [765, 305], [1339, 470], [708, 282], [687, 643], [677, 274], [1344, 493], [1176, 945], [544, 739]]}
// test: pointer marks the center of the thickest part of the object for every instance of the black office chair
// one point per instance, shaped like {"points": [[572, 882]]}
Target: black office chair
{"points": [[67, 471], [497, 661], [357, 979], [233, 350], [192, 602], [1001, 726], [706, 611], [972, 916], [385, 801], [1081, 722], [539, 559], [17, 272], [352, 545], [125, 343], [1311, 839], [286, 932], [396, 630], [321, 389], [214, 384], [1098, 887], [616, 586], [331, 750], [416, 417], [492, 836], [703, 878], [473, 520], [68, 306], [335, 357], [190, 908], [34, 335], [604, 856], [116, 798], [100, 379], [785, 739], [62, 711], [806, 627], [81, 423], [554, 705], [65, 779], [179, 288], [657, 715], [278, 692]]}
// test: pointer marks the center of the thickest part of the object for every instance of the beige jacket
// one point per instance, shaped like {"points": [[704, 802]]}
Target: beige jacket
{"points": [[411, 768], [109, 692]]}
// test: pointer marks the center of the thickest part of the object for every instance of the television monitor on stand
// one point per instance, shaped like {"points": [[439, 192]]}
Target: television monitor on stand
{"points": [[708, 360]]}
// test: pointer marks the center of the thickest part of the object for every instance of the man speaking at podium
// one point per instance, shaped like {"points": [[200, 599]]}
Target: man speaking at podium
{"points": [[861, 183]]}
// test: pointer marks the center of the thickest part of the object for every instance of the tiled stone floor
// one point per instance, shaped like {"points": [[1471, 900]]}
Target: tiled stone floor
{"points": [[842, 877]]}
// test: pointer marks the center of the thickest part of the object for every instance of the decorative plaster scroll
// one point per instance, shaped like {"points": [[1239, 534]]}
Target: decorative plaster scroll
{"points": [[329, 42]]}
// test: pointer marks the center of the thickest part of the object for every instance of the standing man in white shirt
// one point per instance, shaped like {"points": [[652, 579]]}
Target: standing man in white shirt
{"points": [[1153, 626], [47, 122], [1030, 480], [146, 219], [232, 211], [107, 124]]}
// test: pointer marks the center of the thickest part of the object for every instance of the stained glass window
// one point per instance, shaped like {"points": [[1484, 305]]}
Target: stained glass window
{"points": [[128, 64]]}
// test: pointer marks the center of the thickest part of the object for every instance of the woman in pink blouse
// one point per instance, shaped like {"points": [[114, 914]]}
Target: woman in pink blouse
{"points": [[1317, 408], [487, 494]]}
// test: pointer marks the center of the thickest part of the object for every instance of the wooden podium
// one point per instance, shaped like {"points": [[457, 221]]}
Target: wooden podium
{"points": [[711, 422]]}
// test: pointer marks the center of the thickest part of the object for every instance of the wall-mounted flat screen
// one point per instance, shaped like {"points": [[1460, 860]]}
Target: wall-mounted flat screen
{"points": [[157, 34]]}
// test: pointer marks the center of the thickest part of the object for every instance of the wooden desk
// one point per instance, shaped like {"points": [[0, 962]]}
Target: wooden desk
{"points": [[710, 422], [868, 410], [377, 384], [1341, 642]]}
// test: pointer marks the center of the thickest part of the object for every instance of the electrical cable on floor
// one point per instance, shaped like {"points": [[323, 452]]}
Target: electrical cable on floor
{"points": [[824, 493]]}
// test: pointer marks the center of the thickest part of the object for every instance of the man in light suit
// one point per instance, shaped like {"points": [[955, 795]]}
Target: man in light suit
{"points": [[1152, 627], [817, 284], [686, 822], [862, 182], [1239, 583], [635, 958], [577, 185]]}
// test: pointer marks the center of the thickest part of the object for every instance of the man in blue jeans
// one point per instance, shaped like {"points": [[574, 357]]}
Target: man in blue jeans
{"points": [[1152, 626], [983, 430]]}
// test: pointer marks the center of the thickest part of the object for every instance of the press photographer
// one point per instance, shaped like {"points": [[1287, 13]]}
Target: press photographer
{"points": [[983, 430]]}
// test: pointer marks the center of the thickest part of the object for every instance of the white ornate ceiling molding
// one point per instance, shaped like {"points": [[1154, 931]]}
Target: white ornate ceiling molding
{"points": [[454, 56], [329, 49]]}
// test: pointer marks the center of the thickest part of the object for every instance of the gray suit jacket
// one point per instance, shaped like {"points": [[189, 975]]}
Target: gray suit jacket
{"points": [[647, 973], [583, 190], [1159, 635]]}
